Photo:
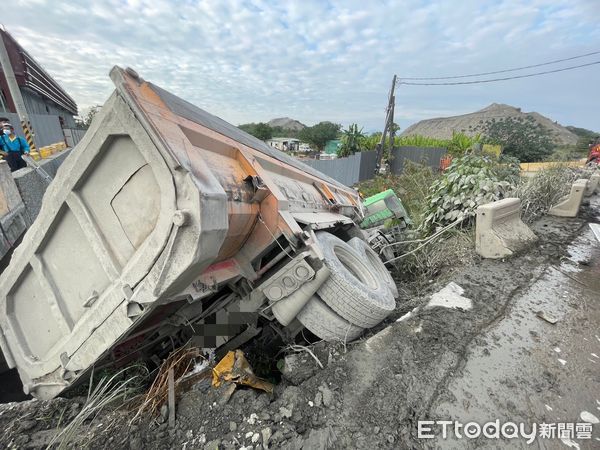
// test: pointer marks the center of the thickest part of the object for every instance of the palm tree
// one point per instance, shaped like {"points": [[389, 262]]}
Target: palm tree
{"points": [[352, 139]]}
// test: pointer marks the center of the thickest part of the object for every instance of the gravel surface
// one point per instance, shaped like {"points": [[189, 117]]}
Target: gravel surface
{"points": [[372, 392]]}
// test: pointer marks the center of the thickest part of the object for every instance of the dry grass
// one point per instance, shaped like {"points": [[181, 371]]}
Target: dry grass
{"points": [[543, 190], [108, 391], [180, 361], [453, 249]]}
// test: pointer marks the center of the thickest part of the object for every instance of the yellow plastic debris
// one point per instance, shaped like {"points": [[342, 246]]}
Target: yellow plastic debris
{"points": [[234, 368]]}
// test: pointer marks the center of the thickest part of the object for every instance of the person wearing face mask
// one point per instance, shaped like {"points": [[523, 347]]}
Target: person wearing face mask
{"points": [[13, 147]]}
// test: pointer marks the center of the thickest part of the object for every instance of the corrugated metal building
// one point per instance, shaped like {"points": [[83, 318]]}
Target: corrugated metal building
{"points": [[42, 95]]}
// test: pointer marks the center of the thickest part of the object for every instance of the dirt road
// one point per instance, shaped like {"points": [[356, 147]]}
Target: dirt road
{"points": [[494, 358]]}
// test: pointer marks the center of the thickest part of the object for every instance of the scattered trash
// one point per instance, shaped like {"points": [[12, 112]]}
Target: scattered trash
{"points": [[234, 368], [556, 349], [589, 417], [562, 361], [547, 317], [548, 407], [450, 297]]}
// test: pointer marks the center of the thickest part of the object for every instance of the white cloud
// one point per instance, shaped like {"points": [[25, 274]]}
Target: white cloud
{"points": [[316, 60]]}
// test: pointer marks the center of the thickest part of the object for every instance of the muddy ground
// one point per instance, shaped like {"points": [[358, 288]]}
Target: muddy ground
{"points": [[497, 360]]}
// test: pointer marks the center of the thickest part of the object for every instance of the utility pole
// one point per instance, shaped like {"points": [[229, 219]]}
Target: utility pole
{"points": [[15, 92], [388, 126]]}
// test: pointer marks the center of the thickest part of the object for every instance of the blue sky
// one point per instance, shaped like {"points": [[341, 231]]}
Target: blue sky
{"points": [[255, 60]]}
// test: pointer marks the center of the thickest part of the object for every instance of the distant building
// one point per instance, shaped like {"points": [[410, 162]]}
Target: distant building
{"points": [[327, 156], [49, 106], [284, 144], [332, 146], [305, 148]]}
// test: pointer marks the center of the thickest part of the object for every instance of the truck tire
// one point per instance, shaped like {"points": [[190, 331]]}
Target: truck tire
{"points": [[376, 263], [354, 290], [325, 323]]}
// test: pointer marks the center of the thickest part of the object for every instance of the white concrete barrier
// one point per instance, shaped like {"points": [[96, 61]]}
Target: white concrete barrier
{"points": [[568, 206], [499, 230], [592, 184]]}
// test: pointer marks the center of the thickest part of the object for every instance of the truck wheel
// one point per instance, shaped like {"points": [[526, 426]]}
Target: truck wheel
{"points": [[325, 323], [376, 263], [354, 290]]}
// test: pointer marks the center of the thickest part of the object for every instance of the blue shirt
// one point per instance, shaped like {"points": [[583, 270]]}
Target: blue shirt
{"points": [[18, 144]]}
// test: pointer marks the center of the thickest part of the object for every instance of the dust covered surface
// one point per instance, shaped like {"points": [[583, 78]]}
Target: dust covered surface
{"points": [[370, 394]]}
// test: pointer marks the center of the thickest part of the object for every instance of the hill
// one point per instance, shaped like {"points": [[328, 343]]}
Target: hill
{"points": [[583, 132], [442, 127], [286, 123]]}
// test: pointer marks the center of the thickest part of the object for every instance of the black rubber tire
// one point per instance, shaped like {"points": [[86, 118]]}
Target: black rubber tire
{"points": [[325, 323], [373, 258], [354, 290]]}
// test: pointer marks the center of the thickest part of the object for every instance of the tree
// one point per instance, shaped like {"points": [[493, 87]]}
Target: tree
{"points": [[523, 138], [263, 131], [319, 134], [370, 142], [259, 130], [85, 121], [352, 141]]}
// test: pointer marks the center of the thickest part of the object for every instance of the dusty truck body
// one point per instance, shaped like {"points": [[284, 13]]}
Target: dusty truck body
{"points": [[167, 224]]}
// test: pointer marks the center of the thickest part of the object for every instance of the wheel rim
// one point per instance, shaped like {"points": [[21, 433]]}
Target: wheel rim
{"points": [[348, 260]]}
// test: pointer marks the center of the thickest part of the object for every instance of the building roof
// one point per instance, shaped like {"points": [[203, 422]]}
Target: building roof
{"points": [[30, 74], [283, 139]]}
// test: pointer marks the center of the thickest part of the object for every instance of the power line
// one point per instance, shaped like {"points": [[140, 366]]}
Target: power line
{"points": [[505, 70], [454, 83]]}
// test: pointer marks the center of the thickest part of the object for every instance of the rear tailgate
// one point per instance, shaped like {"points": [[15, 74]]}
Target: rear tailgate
{"points": [[119, 228]]}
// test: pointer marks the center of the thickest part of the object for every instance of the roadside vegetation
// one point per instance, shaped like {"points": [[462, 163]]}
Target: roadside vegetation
{"points": [[523, 138], [470, 181], [450, 199], [540, 192]]}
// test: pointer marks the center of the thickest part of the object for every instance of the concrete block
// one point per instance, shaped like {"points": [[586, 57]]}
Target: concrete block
{"points": [[499, 230], [592, 184], [568, 206]]}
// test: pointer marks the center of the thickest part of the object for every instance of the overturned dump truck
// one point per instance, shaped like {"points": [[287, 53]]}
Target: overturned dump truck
{"points": [[166, 224]]}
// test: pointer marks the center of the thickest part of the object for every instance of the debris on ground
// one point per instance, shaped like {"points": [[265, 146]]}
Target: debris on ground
{"points": [[234, 368], [373, 392], [450, 297], [547, 317]]}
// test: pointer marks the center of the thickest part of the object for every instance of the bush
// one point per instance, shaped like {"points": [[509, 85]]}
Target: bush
{"points": [[461, 143], [416, 140], [469, 181]]}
